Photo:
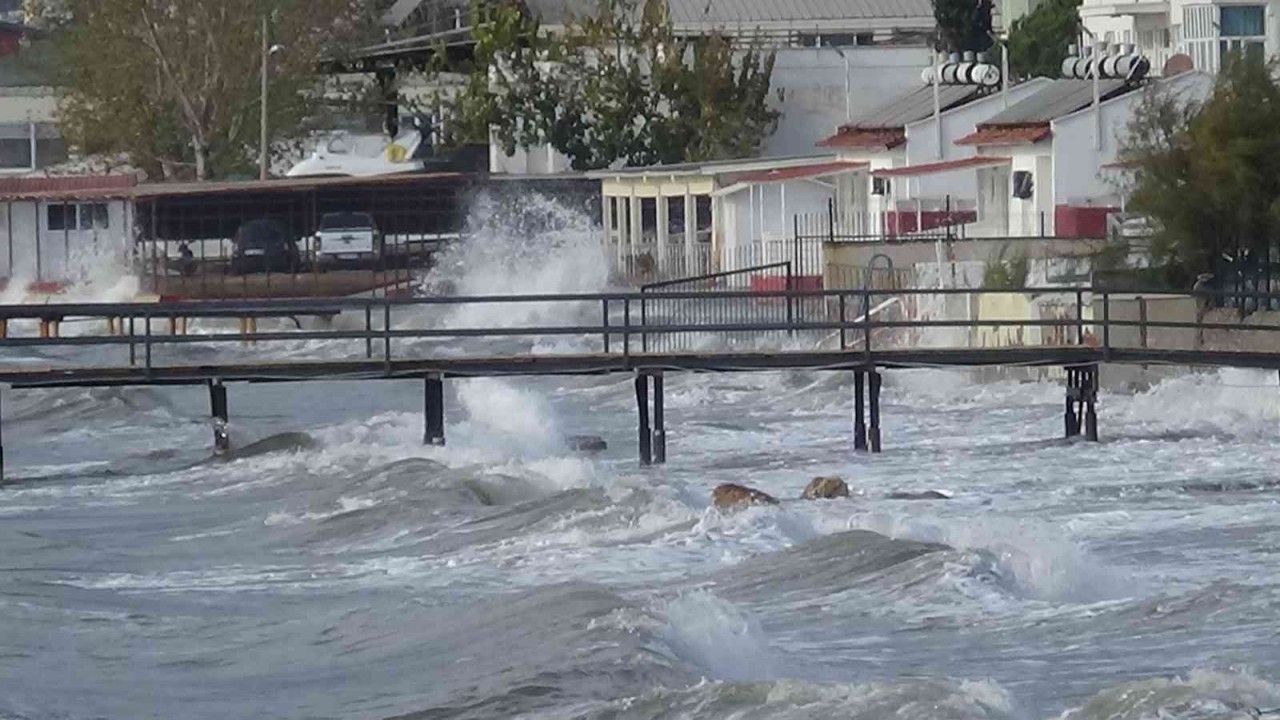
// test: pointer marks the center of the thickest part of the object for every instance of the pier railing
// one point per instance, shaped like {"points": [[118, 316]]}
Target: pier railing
{"points": [[945, 324]]}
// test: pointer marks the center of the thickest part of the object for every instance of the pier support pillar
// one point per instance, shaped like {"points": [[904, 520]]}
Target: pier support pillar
{"points": [[873, 397], [645, 432], [659, 422], [859, 411], [1081, 412], [218, 409], [1070, 422], [433, 396], [1, 436]]}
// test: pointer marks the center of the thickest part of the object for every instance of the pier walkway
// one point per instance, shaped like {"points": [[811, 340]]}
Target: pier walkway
{"points": [[646, 334]]}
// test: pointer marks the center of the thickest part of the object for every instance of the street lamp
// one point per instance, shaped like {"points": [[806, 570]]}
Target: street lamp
{"points": [[267, 52]]}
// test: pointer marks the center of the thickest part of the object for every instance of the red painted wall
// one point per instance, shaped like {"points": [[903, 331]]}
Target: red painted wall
{"points": [[1081, 222], [9, 43]]}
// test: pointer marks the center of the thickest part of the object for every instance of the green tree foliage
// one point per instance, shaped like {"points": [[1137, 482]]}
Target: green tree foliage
{"points": [[172, 86], [1038, 41], [1005, 271], [1207, 174], [615, 86], [963, 25]]}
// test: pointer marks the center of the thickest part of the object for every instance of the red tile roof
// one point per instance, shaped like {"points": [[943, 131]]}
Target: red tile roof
{"points": [[852, 137], [1006, 135], [941, 167], [22, 187], [800, 172]]}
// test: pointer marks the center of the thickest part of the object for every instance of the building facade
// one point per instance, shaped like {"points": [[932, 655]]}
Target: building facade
{"points": [[1205, 32]]}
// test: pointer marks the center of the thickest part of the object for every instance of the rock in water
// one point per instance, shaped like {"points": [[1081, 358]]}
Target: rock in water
{"points": [[925, 495], [587, 443], [825, 488], [730, 495]]}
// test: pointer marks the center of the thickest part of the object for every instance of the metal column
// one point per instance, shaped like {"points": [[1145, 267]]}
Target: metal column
{"points": [[434, 403], [659, 422], [1071, 423], [2, 435], [873, 395], [859, 411], [642, 407], [218, 409]]}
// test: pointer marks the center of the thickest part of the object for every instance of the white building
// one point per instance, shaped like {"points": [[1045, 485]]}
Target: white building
{"points": [[1039, 166], [694, 218], [52, 229], [904, 133], [1203, 31], [29, 137]]}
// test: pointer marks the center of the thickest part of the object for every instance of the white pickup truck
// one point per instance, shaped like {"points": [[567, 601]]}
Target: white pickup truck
{"points": [[347, 236]]}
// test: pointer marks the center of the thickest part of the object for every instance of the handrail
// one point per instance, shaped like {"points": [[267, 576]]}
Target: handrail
{"points": [[1095, 333], [195, 307]]}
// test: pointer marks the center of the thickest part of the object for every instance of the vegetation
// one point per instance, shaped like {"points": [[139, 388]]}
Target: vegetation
{"points": [[172, 86], [1005, 273], [1206, 174], [963, 25], [615, 87], [1038, 41]]}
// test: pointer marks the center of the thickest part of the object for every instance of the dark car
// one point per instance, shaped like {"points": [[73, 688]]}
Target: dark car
{"points": [[264, 246]]}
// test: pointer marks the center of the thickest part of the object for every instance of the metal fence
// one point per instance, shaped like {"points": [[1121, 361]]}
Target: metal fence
{"points": [[698, 303], [593, 330]]}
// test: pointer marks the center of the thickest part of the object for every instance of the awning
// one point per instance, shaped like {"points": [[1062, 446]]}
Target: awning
{"points": [[1007, 135], [852, 138], [801, 172], [969, 163]]}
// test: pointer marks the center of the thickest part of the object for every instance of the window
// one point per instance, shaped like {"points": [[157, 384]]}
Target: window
{"points": [[101, 216], [702, 218], [62, 217], [84, 216], [865, 39], [15, 146], [675, 216], [1242, 21]]}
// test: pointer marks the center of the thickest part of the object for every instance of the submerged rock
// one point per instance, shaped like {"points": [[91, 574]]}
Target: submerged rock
{"points": [[825, 488], [587, 443], [925, 495], [730, 495]]}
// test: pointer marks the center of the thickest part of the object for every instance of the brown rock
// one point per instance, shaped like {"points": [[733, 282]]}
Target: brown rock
{"points": [[730, 495], [821, 488]]}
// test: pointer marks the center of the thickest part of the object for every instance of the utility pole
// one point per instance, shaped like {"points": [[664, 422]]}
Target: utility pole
{"points": [[262, 149]]}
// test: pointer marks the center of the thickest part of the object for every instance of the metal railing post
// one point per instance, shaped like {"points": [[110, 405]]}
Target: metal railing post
{"points": [[626, 327], [1080, 317], [147, 316], [644, 323], [1106, 326], [842, 321], [368, 331], [386, 333], [791, 299], [604, 314], [866, 323]]}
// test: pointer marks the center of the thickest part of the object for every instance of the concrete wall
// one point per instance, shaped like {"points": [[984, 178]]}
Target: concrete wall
{"points": [[30, 251], [908, 253], [813, 84], [27, 104]]}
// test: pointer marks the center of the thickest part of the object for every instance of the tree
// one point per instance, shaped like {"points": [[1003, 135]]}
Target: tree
{"points": [[173, 85], [1038, 41], [615, 86], [1206, 174], [963, 25]]}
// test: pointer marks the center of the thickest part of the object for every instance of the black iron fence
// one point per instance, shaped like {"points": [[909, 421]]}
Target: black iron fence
{"points": [[697, 302]]}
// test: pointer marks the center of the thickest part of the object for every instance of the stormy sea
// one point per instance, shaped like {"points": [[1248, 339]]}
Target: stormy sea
{"points": [[336, 567]]}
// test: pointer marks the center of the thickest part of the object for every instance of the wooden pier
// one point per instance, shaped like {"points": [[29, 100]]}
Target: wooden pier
{"points": [[735, 331]]}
